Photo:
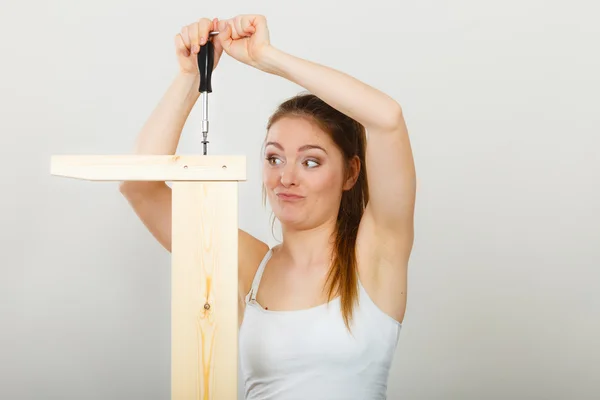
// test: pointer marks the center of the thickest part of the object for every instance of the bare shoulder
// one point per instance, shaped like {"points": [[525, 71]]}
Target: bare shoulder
{"points": [[382, 256], [251, 251]]}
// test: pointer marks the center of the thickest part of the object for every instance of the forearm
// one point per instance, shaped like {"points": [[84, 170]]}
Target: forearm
{"points": [[367, 105], [162, 130]]}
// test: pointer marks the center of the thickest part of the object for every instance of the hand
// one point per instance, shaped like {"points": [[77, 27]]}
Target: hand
{"points": [[245, 38], [188, 42]]}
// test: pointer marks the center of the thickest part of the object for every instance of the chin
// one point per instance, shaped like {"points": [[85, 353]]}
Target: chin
{"points": [[288, 216], [292, 219]]}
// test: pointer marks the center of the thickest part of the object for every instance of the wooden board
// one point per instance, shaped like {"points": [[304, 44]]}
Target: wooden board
{"points": [[204, 291], [204, 340], [149, 167]]}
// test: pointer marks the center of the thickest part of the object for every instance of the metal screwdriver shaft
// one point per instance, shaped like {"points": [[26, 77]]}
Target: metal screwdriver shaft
{"points": [[206, 59]]}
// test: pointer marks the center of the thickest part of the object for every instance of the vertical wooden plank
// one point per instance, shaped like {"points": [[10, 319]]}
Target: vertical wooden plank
{"points": [[204, 333]]}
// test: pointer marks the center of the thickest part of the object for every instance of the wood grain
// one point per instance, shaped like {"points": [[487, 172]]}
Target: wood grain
{"points": [[204, 291]]}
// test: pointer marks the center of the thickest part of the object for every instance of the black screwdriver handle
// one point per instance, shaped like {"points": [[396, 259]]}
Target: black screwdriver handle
{"points": [[206, 61]]}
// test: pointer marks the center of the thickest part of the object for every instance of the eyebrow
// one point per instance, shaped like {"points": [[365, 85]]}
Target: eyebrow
{"points": [[303, 148]]}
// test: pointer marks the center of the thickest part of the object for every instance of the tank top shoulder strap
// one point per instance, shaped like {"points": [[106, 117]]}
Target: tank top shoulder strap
{"points": [[251, 296]]}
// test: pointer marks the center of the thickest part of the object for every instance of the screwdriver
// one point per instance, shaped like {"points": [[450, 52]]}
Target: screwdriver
{"points": [[206, 60]]}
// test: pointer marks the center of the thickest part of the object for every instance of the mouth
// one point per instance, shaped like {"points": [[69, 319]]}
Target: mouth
{"points": [[289, 197]]}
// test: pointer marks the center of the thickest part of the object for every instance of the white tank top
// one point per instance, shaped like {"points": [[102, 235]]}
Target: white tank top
{"points": [[309, 354]]}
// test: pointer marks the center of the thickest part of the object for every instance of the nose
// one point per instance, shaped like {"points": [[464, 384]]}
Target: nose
{"points": [[288, 175]]}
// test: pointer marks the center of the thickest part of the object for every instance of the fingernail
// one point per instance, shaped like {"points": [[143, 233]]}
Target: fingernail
{"points": [[202, 41], [195, 49]]}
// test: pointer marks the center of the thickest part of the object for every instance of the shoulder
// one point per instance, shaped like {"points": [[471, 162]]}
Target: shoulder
{"points": [[251, 252]]}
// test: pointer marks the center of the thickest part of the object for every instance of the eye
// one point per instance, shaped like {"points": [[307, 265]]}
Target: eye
{"points": [[271, 159], [316, 163]]}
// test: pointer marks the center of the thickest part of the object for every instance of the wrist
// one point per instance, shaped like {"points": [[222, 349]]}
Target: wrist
{"points": [[270, 61], [189, 82], [188, 77]]}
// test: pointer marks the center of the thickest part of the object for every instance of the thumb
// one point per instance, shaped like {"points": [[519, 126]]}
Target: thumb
{"points": [[224, 36], [218, 49]]}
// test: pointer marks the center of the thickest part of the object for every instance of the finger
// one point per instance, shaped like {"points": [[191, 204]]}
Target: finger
{"points": [[194, 37], [258, 22], [224, 36], [246, 24], [232, 27], [204, 28], [237, 23], [185, 36], [217, 43], [180, 46]]}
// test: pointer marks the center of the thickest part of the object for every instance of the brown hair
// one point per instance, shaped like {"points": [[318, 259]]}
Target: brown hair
{"points": [[350, 137]]}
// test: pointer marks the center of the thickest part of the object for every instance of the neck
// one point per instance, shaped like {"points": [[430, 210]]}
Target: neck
{"points": [[308, 247]]}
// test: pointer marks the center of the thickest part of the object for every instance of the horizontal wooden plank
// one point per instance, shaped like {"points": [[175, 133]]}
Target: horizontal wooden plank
{"points": [[150, 167]]}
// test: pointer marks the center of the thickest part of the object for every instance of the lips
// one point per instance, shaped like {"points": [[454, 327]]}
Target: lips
{"points": [[286, 196]]}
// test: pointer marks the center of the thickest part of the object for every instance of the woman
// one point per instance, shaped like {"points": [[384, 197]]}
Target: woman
{"points": [[322, 311]]}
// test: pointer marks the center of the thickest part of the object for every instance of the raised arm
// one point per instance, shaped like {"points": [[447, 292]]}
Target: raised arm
{"points": [[390, 165], [151, 201], [162, 130], [389, 160], [161, 133]]}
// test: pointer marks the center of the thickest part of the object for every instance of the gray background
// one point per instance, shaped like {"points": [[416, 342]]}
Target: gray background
{"points": [[501, 99]]}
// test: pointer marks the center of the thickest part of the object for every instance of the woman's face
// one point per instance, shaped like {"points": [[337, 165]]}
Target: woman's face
{"points": [[302, 173]]}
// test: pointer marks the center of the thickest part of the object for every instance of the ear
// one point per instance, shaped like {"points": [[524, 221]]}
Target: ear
{"points": [[353, 172]]}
